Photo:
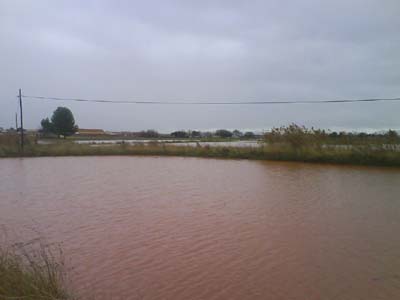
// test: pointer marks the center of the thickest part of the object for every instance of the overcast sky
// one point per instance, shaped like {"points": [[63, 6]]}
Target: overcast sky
{"points": [[202, 51]]}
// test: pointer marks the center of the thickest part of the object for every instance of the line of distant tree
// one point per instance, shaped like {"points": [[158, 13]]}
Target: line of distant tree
{"points": [[62, 123], [220, 133], [293, 134]]}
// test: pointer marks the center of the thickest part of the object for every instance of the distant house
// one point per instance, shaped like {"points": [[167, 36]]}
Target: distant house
{"points": [[82, 131]]}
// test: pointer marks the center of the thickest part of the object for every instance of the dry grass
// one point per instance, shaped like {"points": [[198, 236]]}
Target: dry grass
{"points": [[360, 155], [32, 271]]}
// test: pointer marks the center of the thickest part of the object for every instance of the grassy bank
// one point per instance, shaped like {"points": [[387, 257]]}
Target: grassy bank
{"points": [[359, 155], [31, 272]]}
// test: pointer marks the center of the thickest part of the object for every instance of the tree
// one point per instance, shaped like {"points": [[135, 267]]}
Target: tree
{"points": [[150, 133], [223, 133], [195, 134], [47, 126], [236, 133], [63, 122], [207, 134], [392, 136], [180, 134], [333, 134], [249, 135]]}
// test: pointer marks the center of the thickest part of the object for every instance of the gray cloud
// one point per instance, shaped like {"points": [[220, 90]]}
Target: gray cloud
{"points": [[202, 50]]}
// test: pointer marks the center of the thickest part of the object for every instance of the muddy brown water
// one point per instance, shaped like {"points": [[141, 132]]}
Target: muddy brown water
{"points": [[189, 228]]}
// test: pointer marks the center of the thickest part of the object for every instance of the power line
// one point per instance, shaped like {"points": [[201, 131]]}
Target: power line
{"points": [[211, 103]]}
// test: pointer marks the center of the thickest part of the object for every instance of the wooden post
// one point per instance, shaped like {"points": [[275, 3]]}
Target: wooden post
{"points": [[22, 122]]}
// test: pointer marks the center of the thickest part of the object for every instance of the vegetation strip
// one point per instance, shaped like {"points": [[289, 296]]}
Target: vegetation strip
{"points": [[288, 143], [353, 155]]}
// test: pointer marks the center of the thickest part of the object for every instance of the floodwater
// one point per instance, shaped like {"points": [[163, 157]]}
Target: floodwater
{"points": [[190, 228], [240, 144]]}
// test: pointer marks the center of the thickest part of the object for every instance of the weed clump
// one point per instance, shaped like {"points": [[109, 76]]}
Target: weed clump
{"points": [[32, 271]]}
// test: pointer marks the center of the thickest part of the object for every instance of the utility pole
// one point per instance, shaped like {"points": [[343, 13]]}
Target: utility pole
{"points": [[21, 118], [16, 121]]}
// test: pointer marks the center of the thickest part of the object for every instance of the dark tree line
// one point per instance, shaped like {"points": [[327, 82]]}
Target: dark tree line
{"points": [[221, 133]]}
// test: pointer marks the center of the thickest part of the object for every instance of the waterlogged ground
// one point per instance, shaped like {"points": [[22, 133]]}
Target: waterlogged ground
{"points": [[199, 143], [239, 144], [188, 228]]}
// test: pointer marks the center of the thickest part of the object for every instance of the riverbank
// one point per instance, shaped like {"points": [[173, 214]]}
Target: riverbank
{"points": [[362, 155]]}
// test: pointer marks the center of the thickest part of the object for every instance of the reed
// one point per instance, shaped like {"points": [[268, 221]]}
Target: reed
{"points": [[32, 271], [381, 155]]}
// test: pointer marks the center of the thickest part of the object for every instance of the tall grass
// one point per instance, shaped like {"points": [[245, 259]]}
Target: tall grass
{"points": [[360, 155], [300, 136], [296, 146], [32, 271]]}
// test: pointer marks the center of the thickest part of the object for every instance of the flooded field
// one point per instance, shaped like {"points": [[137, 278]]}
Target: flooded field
{"points": [[190, 228], [174, 142]]}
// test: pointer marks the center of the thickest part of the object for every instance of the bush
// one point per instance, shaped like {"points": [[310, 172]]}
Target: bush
{"points": [[149, 134], [180, 134], [249, 135], [223, 133], [32, 271], [294, 135]]}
